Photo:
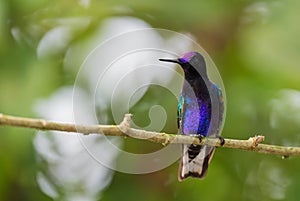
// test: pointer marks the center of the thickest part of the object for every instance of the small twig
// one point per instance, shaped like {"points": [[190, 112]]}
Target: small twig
{"points": [[124, 129]]}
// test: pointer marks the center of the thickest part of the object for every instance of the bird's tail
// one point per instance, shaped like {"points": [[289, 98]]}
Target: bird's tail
{"points": [[194, 161]]}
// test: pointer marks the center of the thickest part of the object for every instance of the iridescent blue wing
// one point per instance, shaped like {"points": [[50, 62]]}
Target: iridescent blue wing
{"points": [[180, 110]]}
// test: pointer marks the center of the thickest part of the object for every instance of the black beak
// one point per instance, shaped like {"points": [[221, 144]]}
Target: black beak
{"points": [[170, 60]]}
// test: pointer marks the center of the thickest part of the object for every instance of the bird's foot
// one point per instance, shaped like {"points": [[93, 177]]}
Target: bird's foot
{"points": [[222, 141], [200, 137]]}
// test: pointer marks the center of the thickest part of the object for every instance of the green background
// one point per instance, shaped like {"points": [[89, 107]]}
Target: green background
{"points": [[254, 44]]}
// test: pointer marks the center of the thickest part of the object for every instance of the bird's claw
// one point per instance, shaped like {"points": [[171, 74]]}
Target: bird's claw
{"points": [[200, 137], [222, 141]]}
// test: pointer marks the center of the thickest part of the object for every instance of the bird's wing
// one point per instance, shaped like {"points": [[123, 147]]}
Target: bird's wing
{"points": [[217, 106], [219, 103], [180, 110]]}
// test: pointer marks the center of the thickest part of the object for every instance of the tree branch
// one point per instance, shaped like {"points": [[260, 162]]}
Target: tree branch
{"points": [[123, 129]]}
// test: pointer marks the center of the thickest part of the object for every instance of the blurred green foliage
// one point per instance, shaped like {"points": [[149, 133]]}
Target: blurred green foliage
{"points": [[256, 48]]}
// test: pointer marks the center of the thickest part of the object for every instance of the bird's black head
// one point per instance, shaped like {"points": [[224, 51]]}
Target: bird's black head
{"points": [[192, 63]]}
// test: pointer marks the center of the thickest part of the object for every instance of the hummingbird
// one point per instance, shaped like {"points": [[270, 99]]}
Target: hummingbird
{"points": [[200, 112]]}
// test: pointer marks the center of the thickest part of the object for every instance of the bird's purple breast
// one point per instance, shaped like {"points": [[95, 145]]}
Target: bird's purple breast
{"points": [[196, 117]]}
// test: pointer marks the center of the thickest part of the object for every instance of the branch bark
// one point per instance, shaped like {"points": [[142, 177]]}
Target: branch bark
{"points": [[124, 129]]}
